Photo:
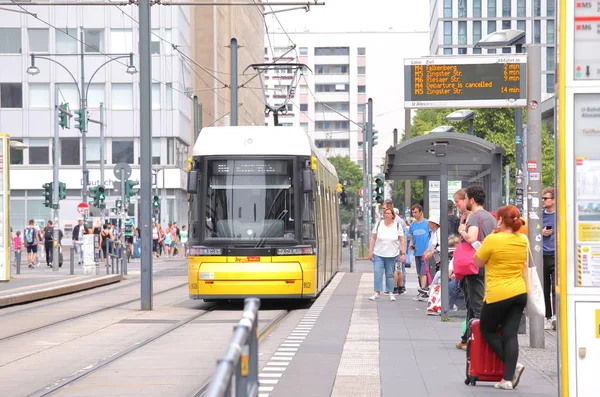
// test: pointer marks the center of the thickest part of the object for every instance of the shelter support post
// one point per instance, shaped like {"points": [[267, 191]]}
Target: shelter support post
{"points": [[444, 238]]}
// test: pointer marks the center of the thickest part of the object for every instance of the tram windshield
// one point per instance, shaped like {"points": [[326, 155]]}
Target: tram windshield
{"points": [[250, 200]]}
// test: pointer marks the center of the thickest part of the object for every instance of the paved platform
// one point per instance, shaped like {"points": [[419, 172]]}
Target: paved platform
{"points": [[348, 345]]}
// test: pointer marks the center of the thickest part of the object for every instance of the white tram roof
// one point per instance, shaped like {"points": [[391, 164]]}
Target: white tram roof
{"points": [[258, 140]]}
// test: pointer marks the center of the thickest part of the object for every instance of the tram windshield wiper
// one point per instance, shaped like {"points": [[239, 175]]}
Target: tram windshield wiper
{"points": [[262, 240]]}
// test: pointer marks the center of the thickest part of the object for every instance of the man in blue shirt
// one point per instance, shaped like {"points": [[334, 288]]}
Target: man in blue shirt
{"points": [[418, 235], [548, 222]]}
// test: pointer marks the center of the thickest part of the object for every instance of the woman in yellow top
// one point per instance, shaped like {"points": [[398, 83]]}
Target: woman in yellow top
{"points": [[504, 255]]}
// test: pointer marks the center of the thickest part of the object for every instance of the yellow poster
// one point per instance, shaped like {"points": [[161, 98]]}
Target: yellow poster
{"points": [[589, 232], [598, 324]]}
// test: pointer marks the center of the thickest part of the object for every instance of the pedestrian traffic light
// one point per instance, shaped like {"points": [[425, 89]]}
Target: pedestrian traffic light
{"points": [[129, 190], [344, 196], [80, 119], [62, 190], [97, 193], [378, 190], [119, 204], [374, 138], [156, 202], [47, 194], [63, 118]]}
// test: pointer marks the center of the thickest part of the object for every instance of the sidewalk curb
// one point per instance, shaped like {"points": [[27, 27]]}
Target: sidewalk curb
{"points": [[24, 297]]}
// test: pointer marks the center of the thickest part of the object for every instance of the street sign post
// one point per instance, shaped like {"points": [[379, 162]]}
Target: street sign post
{"points": [[361, 192], [466, 81]]}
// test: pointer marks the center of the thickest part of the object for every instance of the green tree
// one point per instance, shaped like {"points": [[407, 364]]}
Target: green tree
{"points": [[351, 177]]}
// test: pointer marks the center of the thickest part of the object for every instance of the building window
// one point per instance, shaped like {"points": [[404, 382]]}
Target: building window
{"points": [[476, 50], [11, 95], [550, 6], [462, 32], [537, 8], [491, 51], [550, 83], [332, 106], [39, 40], [550, 32], [304, 51], [169, 39], [332, 143], [522, 8], [506, 8], [68, 93], [362, 51], [16, 155], [155, 96], [39, 95], [121, 41], [169, 95], [447, 8], [93, 150], [491, 11], [362, 89], [304, 126], [69, 151], [462, 51], [94, 40], [476, 31], [447, 51], [286, 124], [522, 25], [332, 51], [506, 24], [155, 41], [95, 95], [332, 87], [170, 151], [39, 151], [304, 89], [537, 35], [331, 69], [122, 151], [340, 125], [122, 96], [304, 107], [491, 28], [462, 8], [155, 151], [506, 50], [10, 40], [361, 70], [289, 107], [476, 8], [550, 58], [447, 32], [66, 42], [361, 108]]}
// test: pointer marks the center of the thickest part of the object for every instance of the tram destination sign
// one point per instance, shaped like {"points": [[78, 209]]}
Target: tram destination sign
{"points": [[468, 81]]}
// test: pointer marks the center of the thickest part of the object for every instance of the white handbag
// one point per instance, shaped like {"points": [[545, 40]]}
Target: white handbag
{"points": [[535, 293]]}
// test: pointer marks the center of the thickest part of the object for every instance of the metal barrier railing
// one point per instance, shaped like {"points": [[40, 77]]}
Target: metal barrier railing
{"points": [[237, 370]]}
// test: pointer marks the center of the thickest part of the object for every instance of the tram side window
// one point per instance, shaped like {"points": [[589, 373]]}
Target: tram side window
{"points": [[308, 217]]}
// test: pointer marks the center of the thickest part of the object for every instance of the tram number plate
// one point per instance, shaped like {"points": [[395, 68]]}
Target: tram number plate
{"points": [[307, 284]]}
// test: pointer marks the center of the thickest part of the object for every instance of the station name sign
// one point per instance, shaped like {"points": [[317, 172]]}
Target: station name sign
{"points": [[466, 81]]}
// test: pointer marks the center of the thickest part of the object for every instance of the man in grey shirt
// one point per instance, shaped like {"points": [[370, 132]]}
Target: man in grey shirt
{"points": [[478, 226]]}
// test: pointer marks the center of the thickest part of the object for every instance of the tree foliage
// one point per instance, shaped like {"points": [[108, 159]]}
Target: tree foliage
{"points": [[496, 126], [349, 175]]}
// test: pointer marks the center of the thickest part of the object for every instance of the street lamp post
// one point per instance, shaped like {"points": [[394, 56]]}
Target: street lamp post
{"points": [[461, 115], [82, 92]]}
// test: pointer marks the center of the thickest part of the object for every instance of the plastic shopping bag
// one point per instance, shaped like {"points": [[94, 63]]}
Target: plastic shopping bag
{"points": [[434, 303], [535, 294]]}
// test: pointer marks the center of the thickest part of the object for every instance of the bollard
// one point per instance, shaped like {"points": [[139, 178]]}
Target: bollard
{"points": [[72, 261], [351, 257], [18, 263]]}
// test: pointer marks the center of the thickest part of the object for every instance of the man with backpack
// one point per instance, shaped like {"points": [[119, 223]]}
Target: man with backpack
{"points": [[30, 235], [48, 234]]}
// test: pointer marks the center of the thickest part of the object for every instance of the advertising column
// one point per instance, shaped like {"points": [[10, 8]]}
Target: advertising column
{"points": [[4, 196]]}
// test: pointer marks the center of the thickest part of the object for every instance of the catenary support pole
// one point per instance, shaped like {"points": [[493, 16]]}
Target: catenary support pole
{"points": [[55, 182], [519, 175], [366, 187], [370, 160], [407, 186], [145, 154], [234, 81], [507, 184], [445, 272], [102, 154], [197, 117], [534, 155], [83, 105]]}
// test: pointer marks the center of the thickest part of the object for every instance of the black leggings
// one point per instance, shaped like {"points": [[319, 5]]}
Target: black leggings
{"points": [[507, 315]]}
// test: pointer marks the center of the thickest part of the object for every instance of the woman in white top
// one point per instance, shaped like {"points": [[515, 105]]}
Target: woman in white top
{"points": [[387, 242]]}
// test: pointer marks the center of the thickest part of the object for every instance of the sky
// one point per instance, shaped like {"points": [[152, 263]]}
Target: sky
{"points": [[402, 27]]}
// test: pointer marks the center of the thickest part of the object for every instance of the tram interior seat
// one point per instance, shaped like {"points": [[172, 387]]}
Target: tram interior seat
{"points": [[239, 229]]}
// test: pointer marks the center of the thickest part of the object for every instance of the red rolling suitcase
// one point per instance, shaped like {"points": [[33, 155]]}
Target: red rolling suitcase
{"points": [[482, 363]]}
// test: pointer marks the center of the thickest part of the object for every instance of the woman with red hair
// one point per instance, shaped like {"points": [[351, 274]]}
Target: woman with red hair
{"points": [[504, 255]]}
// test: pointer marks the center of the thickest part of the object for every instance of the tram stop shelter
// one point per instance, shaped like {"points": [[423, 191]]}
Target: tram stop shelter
{"points": [[443, 157]]}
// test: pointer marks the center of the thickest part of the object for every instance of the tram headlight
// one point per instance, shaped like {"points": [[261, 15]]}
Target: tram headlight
{"points": [[205, 251]]}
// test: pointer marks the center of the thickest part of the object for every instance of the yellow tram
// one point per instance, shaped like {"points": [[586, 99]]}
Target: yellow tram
{"points": [[264, 215]]}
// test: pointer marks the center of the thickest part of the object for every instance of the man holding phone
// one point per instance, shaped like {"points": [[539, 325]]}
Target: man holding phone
{"points": [[548, 223]]}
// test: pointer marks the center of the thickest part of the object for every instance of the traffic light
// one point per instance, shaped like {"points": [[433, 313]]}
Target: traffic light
{"points": [[97, 193], [156, 202], [63, 119], [47, 194], [313, 163], [129, 190], [62, 190], [119, 204], [378, 190], [374, 138], [344, 196], [81, 119]]}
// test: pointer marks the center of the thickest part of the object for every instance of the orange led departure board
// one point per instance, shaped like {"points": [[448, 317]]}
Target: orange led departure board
{"points": [[467, 81]]}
